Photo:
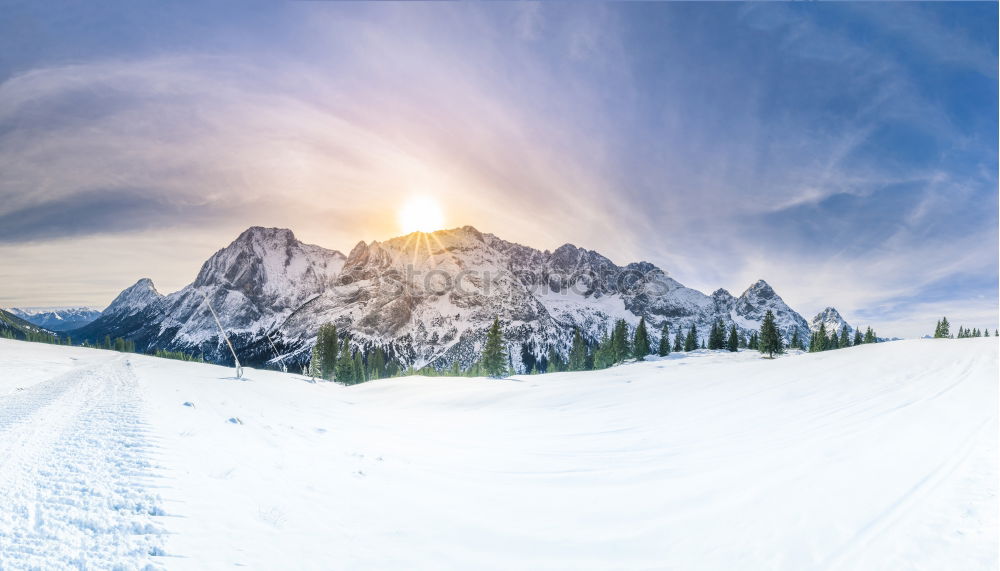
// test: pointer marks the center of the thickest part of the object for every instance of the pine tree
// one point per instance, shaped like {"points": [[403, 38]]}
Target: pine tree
{"points": [[376, 364], [527, 358], [819, 341], [691, 341], [344, 369], [603, 357], [578, 353], [845, 337], [796, 342], [733, 343], [554, 363], [753, 343], [943, 329], [678, 341], [717, 335], [770, 337], [324, 355], [869, 336], [664, 348], [640, 342], [494, 358], [858, 340], [620, 349]]}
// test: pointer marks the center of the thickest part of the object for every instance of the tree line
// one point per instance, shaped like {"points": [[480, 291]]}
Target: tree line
{"points": [[943, 331], [821, 341]]}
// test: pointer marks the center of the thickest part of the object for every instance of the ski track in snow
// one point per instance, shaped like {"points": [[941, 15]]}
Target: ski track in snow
{"points": [[75, 473]]}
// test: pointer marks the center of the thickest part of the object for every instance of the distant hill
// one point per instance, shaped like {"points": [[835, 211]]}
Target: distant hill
{"points": [[13, 327]]}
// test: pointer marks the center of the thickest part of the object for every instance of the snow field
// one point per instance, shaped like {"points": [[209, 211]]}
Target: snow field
{"points": [[874, 457]]}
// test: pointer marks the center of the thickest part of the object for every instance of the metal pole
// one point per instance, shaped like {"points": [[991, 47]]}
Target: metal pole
{"points": [[239, 368], [281, 360]]}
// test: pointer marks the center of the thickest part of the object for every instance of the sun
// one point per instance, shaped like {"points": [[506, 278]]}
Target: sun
{"points": [[420, 214]]}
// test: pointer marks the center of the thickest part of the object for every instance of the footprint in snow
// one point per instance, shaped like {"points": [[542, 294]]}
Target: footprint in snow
{"points": [[235, 420], [189, 403]]}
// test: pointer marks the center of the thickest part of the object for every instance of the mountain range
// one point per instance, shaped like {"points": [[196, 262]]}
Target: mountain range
{"points": [[57, 319], [426, 298]]}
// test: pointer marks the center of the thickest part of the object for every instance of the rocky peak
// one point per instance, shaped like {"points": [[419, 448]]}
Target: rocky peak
{"points": [[133, 298]]}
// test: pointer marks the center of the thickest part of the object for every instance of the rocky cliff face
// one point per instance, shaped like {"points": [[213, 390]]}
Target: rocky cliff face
{"points": [[427, 298]]}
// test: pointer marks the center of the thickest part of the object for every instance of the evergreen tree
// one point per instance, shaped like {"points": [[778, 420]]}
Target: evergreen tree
{"points": [[717, 335], [770, 337], [640, 342], [344, 369], [943, 329], [494, 358], [691, 341], [869, 336], [664, 348], [554, 362], [796, 342], [578, 353], [845, 337], [733, 343], [603, 357], [858, 340], [324, 355], [833, 341], [376, 364], [527, 358], [358, 368], [619, 341], [678, 341], [819, 341]]}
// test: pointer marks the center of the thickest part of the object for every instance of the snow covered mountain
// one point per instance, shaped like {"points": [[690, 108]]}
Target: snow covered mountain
{"points": [[14, 327], [831, 318], [427, 298], [57, 319]]}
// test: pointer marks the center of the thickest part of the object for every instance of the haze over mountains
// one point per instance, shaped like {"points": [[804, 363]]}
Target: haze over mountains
{"points": [[57, 319], [427, 298]]}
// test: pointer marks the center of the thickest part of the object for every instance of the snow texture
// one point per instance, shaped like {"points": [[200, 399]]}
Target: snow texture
{"points": [[880, 456]]}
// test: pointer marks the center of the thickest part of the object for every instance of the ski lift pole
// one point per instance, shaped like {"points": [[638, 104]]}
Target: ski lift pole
{"points": [[239, 368], [281, 360]]}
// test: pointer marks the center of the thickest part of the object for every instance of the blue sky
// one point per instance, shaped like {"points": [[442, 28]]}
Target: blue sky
{"points": [[846, 153]]}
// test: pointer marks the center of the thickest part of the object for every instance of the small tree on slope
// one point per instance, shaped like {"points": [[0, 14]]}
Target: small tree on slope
{"points": [[770, 339], [494, 357], [640, 342], [578, 353], [664, 348], [733, 343]]}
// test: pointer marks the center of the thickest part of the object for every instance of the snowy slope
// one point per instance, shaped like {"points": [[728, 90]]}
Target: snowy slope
{"points": [[57, 319], [880, 456]]}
